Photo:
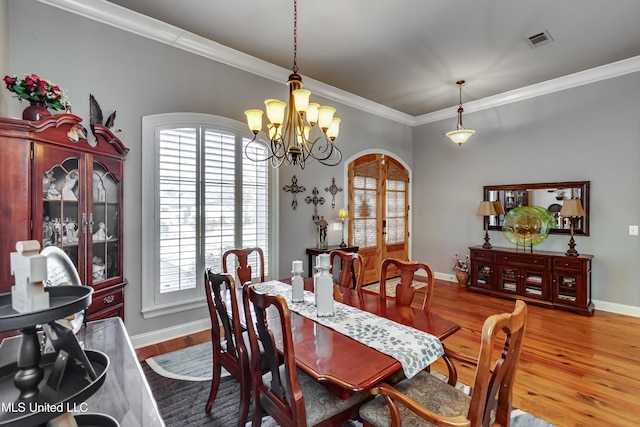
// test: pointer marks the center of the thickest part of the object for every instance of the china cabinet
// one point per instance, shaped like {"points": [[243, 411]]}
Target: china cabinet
{"points": [[65, 190], [549, 279]]}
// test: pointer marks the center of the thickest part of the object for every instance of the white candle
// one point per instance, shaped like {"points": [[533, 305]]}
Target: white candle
{"points": [[296, 267], [323, 261]]}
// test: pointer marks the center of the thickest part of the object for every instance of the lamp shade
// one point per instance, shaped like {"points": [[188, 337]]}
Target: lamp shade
{"points": [[301, 99], [486, 208], [343, 214], [312, 113], [254, 120], [498, 207], [572, 207], [334, 129], [325, 116], [275, 110], [460, 136]]}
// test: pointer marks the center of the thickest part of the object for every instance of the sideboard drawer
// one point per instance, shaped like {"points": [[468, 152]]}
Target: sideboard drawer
{"points": [[568, 263], [483, 255], [525, 259], [105, 300]]}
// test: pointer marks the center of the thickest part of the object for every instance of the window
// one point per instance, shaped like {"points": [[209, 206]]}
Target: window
{"points": [[201, 197]]}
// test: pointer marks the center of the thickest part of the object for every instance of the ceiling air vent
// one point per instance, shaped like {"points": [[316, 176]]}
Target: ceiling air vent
{"points": [[539, 39]]}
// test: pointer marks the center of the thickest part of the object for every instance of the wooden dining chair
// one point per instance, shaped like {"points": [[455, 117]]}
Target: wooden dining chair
{"points": [[351, 270], [426, 399], [286, 393], [230, 350], [244, 268], [405, 290]]}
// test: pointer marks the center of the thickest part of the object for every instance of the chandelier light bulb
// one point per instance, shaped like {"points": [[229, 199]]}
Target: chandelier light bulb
{"points": [[301, 99], [312, 113], [275, 111], [254, 120], [325, 116], [334, 129]]}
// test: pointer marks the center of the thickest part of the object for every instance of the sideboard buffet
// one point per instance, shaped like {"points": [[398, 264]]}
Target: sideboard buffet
{"points": [[66, 191], [550, 279]]}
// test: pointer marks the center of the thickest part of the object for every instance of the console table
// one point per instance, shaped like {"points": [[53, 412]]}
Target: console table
{"points": [[550, 279], [125, 394], [312, 252]]}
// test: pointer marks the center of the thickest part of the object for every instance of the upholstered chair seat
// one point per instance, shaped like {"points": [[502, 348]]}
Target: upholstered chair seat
{"points": [[425, 400], [428, 391], [319, 403]]}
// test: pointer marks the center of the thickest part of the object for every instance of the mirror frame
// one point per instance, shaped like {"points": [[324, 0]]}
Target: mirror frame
{"points": [[581, 226]]}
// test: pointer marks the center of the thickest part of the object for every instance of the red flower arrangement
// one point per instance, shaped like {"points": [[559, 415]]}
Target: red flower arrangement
{"points": [[34, 88]]}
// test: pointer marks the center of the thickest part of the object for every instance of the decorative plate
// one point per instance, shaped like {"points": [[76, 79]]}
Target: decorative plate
{"points": [[62, 272], [528, 225]]}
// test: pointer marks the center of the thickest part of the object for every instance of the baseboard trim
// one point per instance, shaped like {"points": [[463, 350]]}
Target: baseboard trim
{"points": [[161, 335], [445, 276], [614, 307]]}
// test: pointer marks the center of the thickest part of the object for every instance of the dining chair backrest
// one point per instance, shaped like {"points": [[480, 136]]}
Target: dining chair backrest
{"points": [[282, 397], [229, 349], [244, 268], [352, 268], [405, 290], [497, 365], [491, 396]]}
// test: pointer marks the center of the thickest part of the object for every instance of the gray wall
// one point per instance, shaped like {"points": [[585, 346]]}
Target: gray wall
{"points": [[591, 132], [139, 77]]}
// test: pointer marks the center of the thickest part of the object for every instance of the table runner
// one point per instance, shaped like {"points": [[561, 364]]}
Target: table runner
{"points": [[414, 349]]}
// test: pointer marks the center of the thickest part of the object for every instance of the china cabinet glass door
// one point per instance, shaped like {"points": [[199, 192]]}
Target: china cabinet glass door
{"points": [[61, 196], [104, 224]]}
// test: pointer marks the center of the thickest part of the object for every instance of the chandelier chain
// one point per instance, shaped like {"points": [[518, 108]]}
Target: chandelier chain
{"points": [[295, 36]]}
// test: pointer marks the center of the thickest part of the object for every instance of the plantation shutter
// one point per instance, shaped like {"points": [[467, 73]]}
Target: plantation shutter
{"points": [[365, 197]]}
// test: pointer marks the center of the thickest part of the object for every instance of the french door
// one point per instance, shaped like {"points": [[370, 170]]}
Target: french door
{"points": [[379, 211]]}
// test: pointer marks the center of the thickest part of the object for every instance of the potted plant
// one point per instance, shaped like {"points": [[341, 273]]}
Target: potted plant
{"points": [[461, 268]]}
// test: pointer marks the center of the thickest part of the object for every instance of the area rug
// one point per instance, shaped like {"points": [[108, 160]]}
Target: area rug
{"points": [[181, 401], [391, 284]]}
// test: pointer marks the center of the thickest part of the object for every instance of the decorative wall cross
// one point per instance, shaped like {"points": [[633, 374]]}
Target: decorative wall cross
{"points": [[316, 200], [333, 189], [294, 188]]}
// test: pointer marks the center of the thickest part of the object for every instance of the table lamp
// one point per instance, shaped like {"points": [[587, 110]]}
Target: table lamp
{"points": [[486, 208], [571, 209], [342, 215]]}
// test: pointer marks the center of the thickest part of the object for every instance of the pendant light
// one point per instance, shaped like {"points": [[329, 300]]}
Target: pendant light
{"points": [[460, 135]]}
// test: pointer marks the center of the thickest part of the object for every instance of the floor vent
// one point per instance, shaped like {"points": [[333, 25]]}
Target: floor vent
{"points": [[539, 39]]}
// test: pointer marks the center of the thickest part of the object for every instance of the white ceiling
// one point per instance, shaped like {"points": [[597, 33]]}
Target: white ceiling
{"points": [[408, 54]]}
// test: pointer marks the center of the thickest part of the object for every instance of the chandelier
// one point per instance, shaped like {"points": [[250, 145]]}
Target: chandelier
{"points": [[297, 132], [460, 135]]}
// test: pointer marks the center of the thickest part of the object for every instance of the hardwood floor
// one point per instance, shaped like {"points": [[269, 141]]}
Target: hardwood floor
{"points": [[574, 370]]}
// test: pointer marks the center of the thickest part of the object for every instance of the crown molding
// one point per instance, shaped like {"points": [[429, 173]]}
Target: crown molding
{"points": [[608, 71], [128, 20]]}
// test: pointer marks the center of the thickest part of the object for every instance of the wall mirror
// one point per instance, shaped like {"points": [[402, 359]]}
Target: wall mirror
{"points": [[549, 195]]}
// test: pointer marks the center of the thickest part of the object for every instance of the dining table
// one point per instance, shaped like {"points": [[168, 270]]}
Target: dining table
{"points": [[340, 363]]}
